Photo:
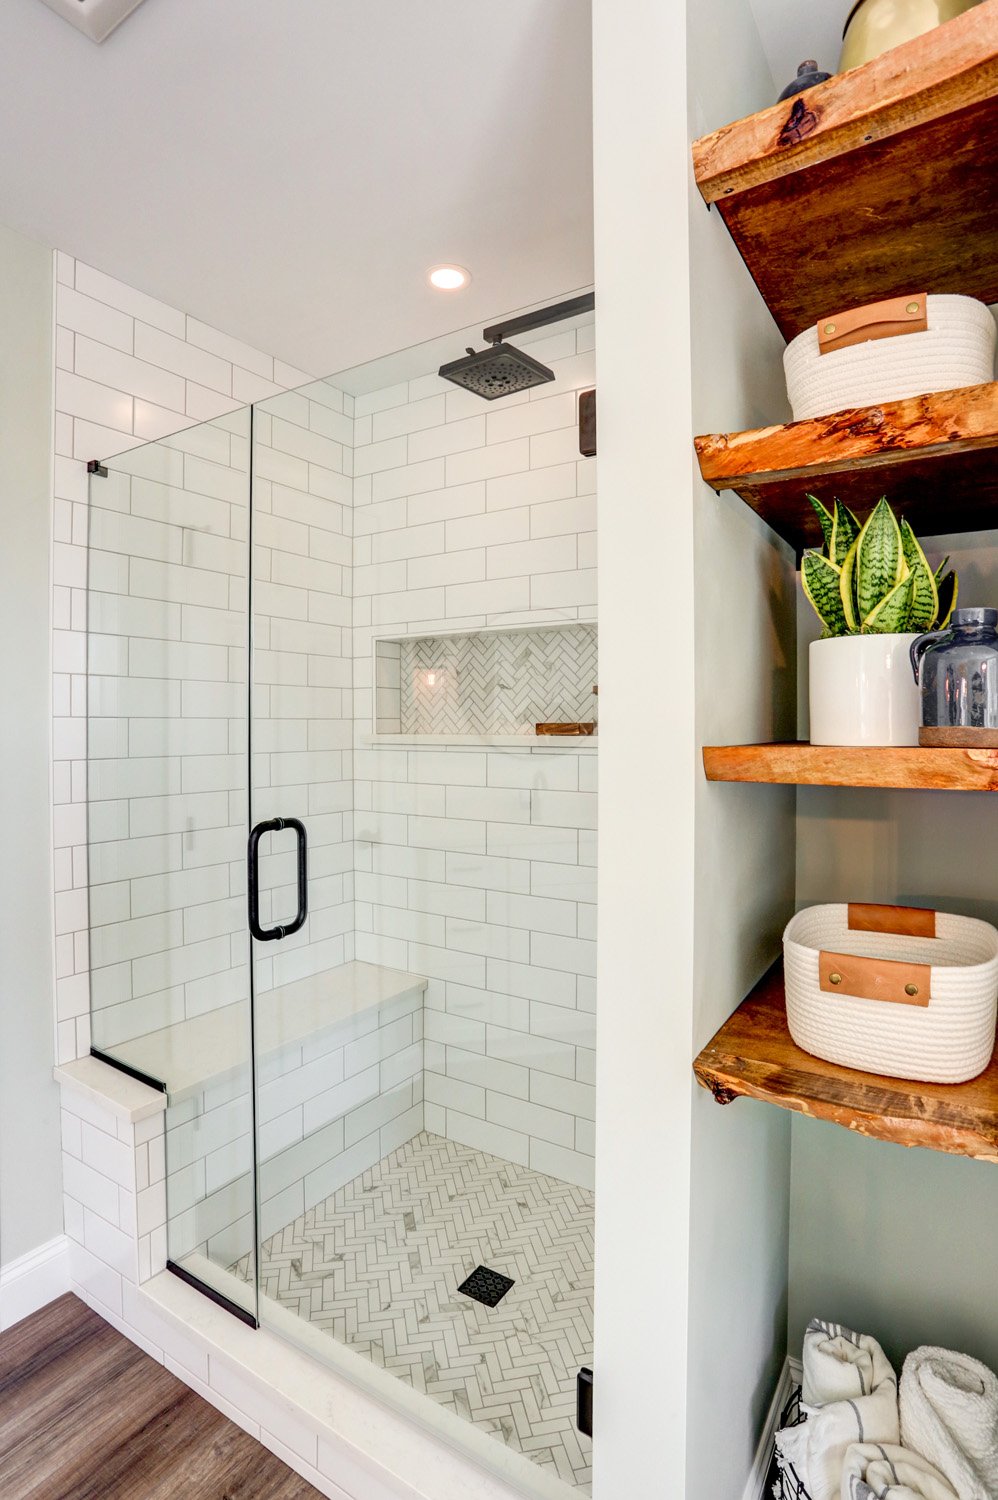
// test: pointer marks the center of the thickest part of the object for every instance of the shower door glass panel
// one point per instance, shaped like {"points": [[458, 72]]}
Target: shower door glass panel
{"points": [[300, 730], [168, 808]]}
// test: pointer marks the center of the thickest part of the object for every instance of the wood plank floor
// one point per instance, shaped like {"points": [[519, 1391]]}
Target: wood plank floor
{"points": [[86, 1415]]}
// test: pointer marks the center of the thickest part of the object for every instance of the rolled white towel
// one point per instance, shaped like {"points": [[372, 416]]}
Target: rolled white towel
{"points": [[849, 1395], [949, 1413], [875, 1471]]}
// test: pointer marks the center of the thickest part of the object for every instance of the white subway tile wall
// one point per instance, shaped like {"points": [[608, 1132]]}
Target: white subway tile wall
{"points": [[129, 369], [477, 867]]}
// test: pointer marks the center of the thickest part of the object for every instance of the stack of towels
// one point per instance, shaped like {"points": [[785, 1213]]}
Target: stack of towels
{"points": [[936, 1440]]}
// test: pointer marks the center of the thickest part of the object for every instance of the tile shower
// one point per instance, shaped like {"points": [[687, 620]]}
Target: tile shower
{"points": [[421, 1068]]}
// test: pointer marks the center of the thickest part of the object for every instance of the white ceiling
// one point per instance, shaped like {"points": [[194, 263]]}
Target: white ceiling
{"points": [[792, 30], [287, 169]]}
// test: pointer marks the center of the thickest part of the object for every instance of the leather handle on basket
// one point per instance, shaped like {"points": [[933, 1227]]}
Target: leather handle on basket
{"points": [[887, 979], [877, 320], [908, 921]]}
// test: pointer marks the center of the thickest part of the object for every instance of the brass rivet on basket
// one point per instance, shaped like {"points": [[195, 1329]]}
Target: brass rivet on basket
{"points": [[912, 307], [911, 989], [829, 327], [835, 978]]}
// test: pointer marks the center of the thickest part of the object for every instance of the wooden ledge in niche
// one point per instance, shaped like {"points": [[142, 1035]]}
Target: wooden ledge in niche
{"points": [[933, 454], [754, 1056], [910, 767], [825, 193]]}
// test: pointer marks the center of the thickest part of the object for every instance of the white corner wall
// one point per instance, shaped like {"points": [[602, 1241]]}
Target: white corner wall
{"points": [[128, 369], [648, 751], [30, 1184], [745, 624]]}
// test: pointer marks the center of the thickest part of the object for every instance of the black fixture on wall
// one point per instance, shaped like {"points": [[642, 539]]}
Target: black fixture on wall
{"points": [[502, 369]]}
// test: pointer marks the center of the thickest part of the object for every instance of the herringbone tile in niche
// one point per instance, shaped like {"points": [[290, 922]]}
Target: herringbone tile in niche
{"points": [[379, 1263], [501, 682]]}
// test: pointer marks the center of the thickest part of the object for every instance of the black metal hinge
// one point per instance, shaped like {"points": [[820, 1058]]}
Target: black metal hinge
{"points": [[584, 1401], [96, 467]]}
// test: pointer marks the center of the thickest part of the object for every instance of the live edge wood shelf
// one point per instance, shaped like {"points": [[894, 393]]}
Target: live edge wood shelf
{"points": [[754, 1055], [935, 456], [879, 183], [843, 765]]}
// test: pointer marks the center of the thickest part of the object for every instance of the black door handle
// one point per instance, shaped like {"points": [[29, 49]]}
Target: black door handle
{"points": [[274, 825], [584, 1401]]}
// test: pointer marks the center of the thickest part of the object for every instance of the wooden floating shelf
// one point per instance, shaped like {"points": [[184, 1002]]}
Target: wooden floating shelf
{"points": [[879, 183], [846, 765], [934, 455], [753, 1055]]}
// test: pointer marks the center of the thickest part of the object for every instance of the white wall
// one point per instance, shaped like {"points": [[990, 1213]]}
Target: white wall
{"points": [[30, 1181], [647, 750], [477, 867], [128, 369]]}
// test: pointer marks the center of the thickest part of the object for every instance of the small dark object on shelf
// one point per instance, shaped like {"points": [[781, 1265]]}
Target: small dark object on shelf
{"points": [[808, 74], [586, 727], [787, 1485]]}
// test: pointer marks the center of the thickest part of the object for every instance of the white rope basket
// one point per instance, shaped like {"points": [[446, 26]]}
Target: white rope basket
{"points": [[956, 349], [866, 991]]}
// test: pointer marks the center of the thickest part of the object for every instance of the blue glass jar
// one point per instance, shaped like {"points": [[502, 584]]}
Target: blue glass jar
{"points": [[957, 673]]}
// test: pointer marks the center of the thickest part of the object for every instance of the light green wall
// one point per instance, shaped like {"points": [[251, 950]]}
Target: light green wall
{"points": [[744, 690], [30, 1179], [899, 1243]]}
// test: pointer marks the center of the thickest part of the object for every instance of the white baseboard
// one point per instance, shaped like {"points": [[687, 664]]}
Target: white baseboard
{"points": [[755, 1489], [33, 1280]]}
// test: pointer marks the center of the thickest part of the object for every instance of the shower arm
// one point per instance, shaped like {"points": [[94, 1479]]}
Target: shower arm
{"points": [[540, 318]]}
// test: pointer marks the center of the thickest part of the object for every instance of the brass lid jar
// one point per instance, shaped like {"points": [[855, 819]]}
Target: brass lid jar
{"points": [[874, 26]]}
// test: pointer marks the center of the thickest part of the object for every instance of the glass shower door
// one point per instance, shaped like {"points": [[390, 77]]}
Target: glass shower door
{"points": [[301, 852], [168, 801]]}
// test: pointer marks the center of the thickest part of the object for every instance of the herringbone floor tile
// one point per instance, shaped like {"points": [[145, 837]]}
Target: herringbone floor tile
{"points": [[379, 1263]]}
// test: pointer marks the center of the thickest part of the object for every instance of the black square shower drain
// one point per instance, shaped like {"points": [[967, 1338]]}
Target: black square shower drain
{"points": [[485, 1286]]}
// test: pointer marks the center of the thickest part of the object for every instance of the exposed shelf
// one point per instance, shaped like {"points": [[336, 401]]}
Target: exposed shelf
{"points": [[484, 741], [880, 182], [934, 455], [846, 765], [753, 1055]]}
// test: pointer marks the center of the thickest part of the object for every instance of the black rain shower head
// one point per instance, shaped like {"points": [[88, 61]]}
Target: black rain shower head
{"points": [[501, 369], [496, 372]]}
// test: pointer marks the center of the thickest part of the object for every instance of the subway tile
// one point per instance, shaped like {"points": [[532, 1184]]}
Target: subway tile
{"points": [[407, 480], [532, 841], [447, 568], [126, 299], [173, 353], [562, 1024], [537, 913], [533, 487], [447, 504], [563, 809], [499, 596], [539, 416], [492, 529], [563, 882], [455, 1093], [492, 941], [576, 955], [563, 1094], [123, 372], [486, 1135], [448, 768], [568, 1166], [533, 1052], [516, 1113], [466, 835], [563, 590], [548, 986], [487, 872], [93, 319], [488, 1073], [447, 438], [534, 770], [557, 553]]}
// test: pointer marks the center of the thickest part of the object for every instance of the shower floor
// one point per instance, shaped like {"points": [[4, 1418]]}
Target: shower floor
{"points": [[378, 1265]]}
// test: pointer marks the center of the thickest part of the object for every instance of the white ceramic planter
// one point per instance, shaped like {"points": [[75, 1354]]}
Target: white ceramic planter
{"points": [[862, 691]]}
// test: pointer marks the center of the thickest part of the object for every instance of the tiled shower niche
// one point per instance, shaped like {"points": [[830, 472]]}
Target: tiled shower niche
{"points": [[489, 682]]}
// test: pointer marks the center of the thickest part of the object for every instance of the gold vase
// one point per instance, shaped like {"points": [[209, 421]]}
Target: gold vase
{"points": [[874, 26]]}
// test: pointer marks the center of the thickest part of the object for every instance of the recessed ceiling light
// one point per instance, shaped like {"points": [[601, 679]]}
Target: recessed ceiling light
{"points": [[95, 18], [448, 278]]}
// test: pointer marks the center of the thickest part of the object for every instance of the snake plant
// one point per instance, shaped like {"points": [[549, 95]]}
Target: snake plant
{"points": [[874, 579]]}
